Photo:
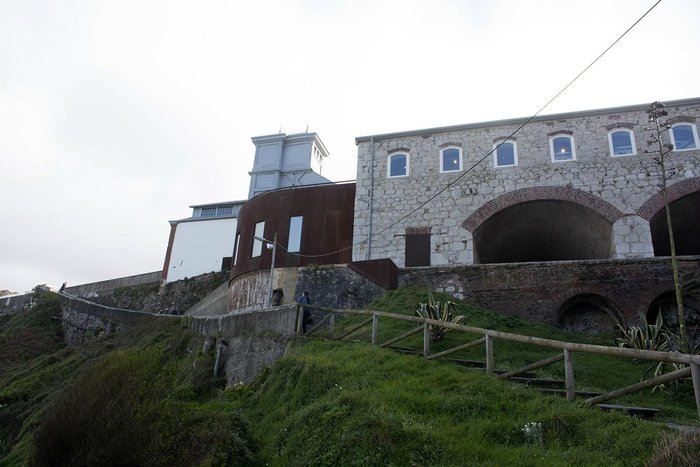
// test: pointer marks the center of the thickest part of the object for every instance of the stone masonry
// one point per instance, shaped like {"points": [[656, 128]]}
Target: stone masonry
{"points": [[622, 190]]}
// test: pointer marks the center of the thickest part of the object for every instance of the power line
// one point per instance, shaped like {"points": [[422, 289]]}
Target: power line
{"points": [[474, 165]]}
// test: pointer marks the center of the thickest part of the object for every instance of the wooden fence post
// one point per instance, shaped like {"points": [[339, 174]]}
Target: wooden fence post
{"points": [[695, 373], [332, 325], [569, 374], [375, 328], [489, 355], [426, 340]]}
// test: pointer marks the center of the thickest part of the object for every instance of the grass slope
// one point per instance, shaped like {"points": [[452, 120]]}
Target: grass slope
{"points": [[352, 404], [145, 395]]}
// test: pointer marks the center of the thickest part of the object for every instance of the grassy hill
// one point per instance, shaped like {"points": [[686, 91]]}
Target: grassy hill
{"points": [[146, 396]]}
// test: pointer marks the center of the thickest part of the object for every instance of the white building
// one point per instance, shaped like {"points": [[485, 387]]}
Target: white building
{"points": [[204, 242]]}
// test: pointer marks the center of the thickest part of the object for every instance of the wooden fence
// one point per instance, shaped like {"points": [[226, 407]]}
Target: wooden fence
{"points": [[567, 348]]}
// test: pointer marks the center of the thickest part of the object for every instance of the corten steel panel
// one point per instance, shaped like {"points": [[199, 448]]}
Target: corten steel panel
{"points": [[382, 272], [326, 234]]}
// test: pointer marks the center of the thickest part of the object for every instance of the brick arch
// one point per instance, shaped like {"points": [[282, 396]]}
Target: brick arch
{"points": [[560, 193], [675, 192]]}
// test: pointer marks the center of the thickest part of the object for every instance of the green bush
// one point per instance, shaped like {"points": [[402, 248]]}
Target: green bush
{"points": [[118, 411]]}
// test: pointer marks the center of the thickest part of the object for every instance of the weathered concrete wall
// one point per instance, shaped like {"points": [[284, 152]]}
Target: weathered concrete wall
{"points": [[174, 298], [252, 341], [540, 291], [95, 289], [248, 291], [216, 303], [617, 187], [15, 303]]}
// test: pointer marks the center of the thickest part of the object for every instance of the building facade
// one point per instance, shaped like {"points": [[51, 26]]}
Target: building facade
{"points": [[574, 186], [204, 242]]}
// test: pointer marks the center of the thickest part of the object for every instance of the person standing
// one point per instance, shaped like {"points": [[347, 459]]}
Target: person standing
{"points": [[305, 299]]}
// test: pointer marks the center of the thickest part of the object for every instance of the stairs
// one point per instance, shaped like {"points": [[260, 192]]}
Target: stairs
{"points": [[547, 386]]}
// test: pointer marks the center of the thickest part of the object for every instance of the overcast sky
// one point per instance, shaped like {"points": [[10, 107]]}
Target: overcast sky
{"points": [[115, 116]]}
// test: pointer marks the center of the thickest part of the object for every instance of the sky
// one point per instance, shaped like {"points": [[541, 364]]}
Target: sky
{"points": [[116, 116]]}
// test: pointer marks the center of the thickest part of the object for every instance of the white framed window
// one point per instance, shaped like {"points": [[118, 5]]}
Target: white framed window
{"points": [[451, 159], [258, 244], [622, 143], [235, 248], [505, 155], [562, 148], [294, 243], [397, 165], [684, 137]]}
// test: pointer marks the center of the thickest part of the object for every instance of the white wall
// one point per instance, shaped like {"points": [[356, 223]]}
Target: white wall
{"points": [[199, 246]]}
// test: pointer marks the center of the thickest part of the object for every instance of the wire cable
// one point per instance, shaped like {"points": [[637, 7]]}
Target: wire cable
{"points": [[489, 153]]}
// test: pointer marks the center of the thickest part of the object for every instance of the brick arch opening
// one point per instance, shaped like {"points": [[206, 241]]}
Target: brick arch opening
{"points": [[665, 303], [676, 191], [560, 193], [685, 213], [589, 314], [543, 230]]}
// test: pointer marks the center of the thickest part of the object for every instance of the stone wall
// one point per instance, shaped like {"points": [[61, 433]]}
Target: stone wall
{"points": [[617, 188], [337, 286], [545, 292], [334, 286], [173, 298], [95, 289]]}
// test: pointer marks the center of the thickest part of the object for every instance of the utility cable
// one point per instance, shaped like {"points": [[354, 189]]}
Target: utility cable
{"points": [[475, 164]]}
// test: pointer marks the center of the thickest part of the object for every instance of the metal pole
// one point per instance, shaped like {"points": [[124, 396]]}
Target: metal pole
{"points": [[272, 269]]}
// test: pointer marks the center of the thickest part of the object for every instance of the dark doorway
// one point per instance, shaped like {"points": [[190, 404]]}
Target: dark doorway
{"points": [[685, 218], [546, 230], [417, 249]]}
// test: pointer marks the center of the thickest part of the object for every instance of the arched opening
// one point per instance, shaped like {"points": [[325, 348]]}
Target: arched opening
{"points": [[665, 304], [588, 314], [543, 230], [685, 213]]}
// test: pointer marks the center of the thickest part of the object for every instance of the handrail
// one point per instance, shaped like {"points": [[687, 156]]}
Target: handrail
{"points": [[693, 361], [667, 357]]}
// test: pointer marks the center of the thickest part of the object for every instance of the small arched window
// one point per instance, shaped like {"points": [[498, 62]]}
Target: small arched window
{"points": [[562, 148], [684, 137], [397, 165], [622, 143], [505, 155], [451, 159]]}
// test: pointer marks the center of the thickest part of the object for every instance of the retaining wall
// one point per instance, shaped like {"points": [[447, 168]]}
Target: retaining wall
{"points": [[537, 291]]}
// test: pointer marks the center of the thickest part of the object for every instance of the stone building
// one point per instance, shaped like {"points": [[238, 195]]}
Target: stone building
{"points": [[573, 186]]}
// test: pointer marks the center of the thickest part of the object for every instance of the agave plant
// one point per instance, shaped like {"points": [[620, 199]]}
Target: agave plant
{"points": [[651, 337], [647, 336], [438, 311]]}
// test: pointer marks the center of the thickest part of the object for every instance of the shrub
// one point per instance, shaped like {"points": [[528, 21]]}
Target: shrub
{"points": [[118, 411], [438, 311]]}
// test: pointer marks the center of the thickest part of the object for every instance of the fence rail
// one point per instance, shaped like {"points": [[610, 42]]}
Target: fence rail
{"points": [[567, 350]]}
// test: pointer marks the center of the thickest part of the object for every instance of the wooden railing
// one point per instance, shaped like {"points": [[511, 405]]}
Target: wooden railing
{"points": [[692, 361]]}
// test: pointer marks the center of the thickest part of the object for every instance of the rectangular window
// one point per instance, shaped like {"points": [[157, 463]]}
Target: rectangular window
{"points": [[450, 160], [258, 244], [398, 165], [621, 143], [235, 248], [294, 244], [209, 212], [506, 155], [562, 148], [684, 137]]}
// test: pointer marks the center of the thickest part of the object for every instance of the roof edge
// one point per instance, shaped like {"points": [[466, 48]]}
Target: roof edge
{"points": [[515, 121]]}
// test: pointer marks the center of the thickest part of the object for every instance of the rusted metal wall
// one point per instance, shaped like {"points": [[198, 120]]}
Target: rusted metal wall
{"points": [[326, 235]]}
